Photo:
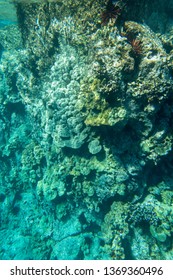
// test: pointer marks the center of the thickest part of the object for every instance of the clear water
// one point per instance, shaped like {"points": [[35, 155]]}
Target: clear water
{"points": [[86, 129]]}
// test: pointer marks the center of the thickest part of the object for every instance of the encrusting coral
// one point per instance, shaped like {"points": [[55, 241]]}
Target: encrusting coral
{"points": [[86, 131]]}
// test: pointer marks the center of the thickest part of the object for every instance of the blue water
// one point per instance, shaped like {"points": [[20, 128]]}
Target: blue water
{"points": [[4, 23], [86, 131]]}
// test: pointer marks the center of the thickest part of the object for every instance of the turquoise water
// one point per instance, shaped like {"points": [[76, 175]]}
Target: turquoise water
{"points": [[86, 131]]}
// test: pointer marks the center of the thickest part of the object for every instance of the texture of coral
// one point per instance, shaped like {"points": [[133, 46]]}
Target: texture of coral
{"points": [[86, 131]]}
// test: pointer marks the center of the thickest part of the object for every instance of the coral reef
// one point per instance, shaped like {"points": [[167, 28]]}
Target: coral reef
{"points": [[86, 131]]}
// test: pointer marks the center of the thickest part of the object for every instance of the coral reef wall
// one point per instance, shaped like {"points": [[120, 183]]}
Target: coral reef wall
{"points": [[86, 110]]}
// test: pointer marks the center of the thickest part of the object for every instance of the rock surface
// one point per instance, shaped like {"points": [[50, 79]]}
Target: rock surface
{"points": [[86, 131]]}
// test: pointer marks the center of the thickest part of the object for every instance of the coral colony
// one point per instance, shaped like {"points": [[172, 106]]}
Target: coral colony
{"points": [[86, 131]]}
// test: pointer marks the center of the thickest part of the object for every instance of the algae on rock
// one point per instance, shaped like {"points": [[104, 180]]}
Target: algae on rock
{"points": [[86, 132]]}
